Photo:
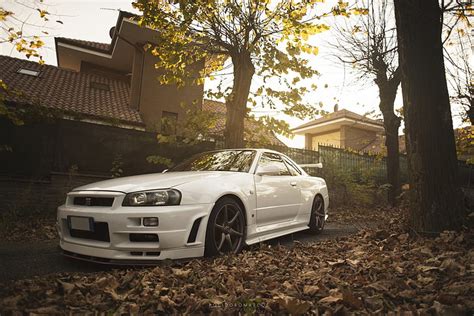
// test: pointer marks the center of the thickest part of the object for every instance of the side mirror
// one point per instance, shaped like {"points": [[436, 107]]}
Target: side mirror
{"points": [[269, 170]]}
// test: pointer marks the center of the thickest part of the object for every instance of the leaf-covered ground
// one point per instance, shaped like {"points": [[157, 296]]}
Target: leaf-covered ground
{"points": [[375, 271], [30, 228], [364, 217]]}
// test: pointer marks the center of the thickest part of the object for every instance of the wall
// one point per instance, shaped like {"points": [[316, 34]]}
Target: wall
{"points": [[46, 159], [332, 138], [63, 145], [71, 57], [356, 138], [23, 196], [156, 98]]}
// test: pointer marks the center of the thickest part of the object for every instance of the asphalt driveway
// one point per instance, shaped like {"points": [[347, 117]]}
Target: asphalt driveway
{"points": [[20, 260]]}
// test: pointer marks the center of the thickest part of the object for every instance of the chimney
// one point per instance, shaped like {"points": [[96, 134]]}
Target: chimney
{"points": [[336, 107]]}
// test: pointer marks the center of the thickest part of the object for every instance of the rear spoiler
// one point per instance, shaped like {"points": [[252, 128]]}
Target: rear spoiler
{"points": [[311, 165]]}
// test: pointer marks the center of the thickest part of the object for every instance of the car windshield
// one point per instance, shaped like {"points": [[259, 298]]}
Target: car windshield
{"points": [[226, 160]]}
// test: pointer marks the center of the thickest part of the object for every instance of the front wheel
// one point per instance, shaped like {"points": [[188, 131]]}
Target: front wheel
{"points": [[318, 216], [225, 229]]}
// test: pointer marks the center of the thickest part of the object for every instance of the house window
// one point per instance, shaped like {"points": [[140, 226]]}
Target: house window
{"points": [[29, 72], [169, 121], [99, 86]]}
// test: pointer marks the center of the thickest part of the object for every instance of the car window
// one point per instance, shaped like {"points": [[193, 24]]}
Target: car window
{"points": [[225, 160], [293, 170], [273, 159]]}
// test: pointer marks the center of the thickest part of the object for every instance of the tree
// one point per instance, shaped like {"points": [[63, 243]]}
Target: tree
{"points": [[460, 73], [268, 39], [369, 46], [436, 200], [12, 28]]}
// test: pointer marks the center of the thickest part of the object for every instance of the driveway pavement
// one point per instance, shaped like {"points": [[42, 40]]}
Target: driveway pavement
{"points": [[20, 260]]}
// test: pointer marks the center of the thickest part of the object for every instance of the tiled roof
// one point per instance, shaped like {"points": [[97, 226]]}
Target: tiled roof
{"points": [[214, 106], [337, 115], [255, 131], [104, 47], [68, 91], [71, 92]]}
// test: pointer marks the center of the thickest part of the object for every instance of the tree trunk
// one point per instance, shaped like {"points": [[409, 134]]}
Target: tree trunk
{"points": [[388, 91], [436, 200], [236, 104], [391, 124]]}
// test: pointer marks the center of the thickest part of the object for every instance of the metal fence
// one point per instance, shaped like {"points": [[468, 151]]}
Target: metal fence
{"points": [[359, 165], [301, 156], [375, 167]]}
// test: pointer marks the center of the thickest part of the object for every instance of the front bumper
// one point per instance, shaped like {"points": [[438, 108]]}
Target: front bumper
{"points": [[173, 232]]}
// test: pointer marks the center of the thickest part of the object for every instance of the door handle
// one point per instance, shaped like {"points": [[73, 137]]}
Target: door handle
{"points": [[293, 184]]}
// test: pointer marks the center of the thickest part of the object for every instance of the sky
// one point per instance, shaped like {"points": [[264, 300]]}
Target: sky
{"points": [[91, 20]]}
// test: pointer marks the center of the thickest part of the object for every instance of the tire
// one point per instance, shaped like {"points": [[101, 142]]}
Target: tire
{"points": [[318, 216], [225, 231]]}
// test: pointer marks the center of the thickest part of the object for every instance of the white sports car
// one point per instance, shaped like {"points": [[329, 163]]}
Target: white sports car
{"points": [[215, 202]]}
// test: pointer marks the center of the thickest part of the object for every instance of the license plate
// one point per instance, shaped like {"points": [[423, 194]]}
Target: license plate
{"points": [[81, 223]]}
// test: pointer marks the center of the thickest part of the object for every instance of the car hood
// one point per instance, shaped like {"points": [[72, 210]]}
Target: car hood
{"points": [[149, 181]]}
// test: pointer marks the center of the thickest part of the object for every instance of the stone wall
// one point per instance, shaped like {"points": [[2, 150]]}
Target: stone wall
{"points": [[22, 196]]}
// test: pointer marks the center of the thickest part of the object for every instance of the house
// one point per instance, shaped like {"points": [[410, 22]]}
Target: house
{"points": [[95, 115], [343, 129], [124, 64], [255, 133], [349, 130], [110, 83]]}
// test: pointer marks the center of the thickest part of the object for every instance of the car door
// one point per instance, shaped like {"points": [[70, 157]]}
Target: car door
{"points": [[277, 192]]}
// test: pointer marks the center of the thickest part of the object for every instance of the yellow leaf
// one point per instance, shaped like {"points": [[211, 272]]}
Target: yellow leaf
{"points": [[304, 35], [42, 13]]}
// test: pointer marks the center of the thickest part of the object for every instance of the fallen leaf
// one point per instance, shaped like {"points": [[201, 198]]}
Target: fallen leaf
{"points": [[67, 287], [310, 289], [293, 305], [428, 268], [349, 298], [181, 273], [333, 298]]}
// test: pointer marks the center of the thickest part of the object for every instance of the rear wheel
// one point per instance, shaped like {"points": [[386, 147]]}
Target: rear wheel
{"points": [[318, 217], [225, 229]]}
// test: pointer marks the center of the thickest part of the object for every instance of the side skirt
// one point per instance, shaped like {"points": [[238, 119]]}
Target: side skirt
{"points": [[270, 234]]}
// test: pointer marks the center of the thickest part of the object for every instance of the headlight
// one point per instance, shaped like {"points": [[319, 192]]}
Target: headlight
{"points": [[153, 198]]}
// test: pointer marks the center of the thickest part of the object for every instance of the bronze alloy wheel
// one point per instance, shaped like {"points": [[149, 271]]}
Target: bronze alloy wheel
{"points": [[318, 217], [226, 228]]}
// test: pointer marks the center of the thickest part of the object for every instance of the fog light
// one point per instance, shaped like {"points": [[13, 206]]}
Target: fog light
{"points": [[150, 221]]}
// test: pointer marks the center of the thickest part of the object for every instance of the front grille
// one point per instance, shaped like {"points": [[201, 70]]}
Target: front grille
{"points": [[93, 201], [144, 238], [140, 253], [100, 232]]}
